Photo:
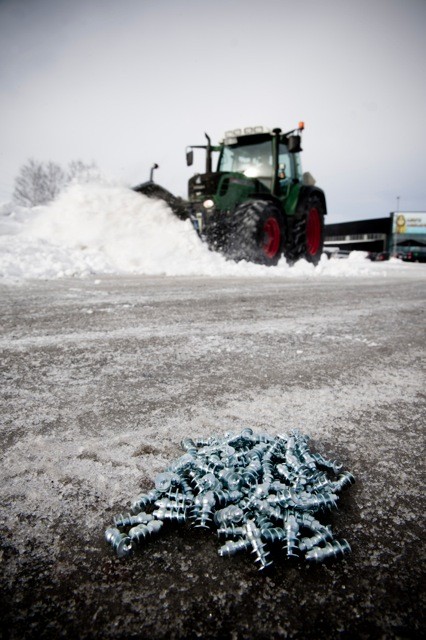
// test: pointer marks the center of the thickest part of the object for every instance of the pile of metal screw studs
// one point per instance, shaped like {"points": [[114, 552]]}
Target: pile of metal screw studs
{"points": [[259, 492]]}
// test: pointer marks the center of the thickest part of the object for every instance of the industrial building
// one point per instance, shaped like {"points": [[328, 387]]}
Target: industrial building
{"points": [[401, 233]]}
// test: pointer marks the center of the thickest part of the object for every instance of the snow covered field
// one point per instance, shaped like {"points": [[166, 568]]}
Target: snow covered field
{"points": [[106, 365], [107, 228]]}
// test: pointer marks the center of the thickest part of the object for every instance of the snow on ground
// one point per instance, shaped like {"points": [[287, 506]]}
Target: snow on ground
{"points": [[102, 228]]}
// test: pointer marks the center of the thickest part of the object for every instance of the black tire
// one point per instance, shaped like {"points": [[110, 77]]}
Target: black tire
{"points": [[257, 233], [308, 231]]}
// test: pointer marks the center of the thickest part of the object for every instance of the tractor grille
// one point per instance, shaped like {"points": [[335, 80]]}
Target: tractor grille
{"points": [[202, 186]]}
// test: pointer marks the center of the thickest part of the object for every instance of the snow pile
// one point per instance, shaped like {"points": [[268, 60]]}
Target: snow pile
{"points": [[107, 228]]}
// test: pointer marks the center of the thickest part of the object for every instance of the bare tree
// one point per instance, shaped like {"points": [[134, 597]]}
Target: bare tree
{"points": [[79, 171], [38, 183], [41, 182]]}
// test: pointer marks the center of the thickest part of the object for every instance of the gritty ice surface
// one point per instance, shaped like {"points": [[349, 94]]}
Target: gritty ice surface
{"points": [[104, 228], [108, 384]]}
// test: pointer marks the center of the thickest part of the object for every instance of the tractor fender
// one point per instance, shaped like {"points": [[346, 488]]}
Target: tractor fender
{"points": [[306, 192], [269, 197]]}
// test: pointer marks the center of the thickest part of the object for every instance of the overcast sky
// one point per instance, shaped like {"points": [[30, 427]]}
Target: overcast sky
{"points": [[131, 82]]}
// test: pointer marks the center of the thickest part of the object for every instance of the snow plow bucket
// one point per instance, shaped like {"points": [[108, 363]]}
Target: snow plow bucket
{"points": [[153, 190]]}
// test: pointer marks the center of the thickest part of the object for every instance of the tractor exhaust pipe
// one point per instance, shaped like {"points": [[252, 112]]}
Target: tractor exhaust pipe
{"points": [[151, 175], [209, 149], [208, 154], [276, 152]]}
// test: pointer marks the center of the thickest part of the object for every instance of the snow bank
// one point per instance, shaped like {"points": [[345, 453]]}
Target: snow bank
{"points": [[108, 228]]}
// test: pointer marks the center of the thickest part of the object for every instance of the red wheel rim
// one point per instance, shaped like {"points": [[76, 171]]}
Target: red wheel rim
{"points": [[313, 232], [271, 237]]}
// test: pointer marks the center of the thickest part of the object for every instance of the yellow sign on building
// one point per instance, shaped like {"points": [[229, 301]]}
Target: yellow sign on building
{"points": [[409, 223]]}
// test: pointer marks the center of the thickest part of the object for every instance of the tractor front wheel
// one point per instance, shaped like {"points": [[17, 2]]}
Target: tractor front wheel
{"points": [[257, 233]]}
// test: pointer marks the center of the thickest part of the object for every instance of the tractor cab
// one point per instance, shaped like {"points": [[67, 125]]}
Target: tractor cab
{"points": [[269, 157], [251, 155]]}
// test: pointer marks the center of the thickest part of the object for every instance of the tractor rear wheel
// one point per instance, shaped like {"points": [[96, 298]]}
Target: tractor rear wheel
{"points": [[257, 233], [308, 232]]}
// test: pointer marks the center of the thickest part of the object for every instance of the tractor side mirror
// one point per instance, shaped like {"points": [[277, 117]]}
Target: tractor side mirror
{"points": [[189, 157], [294, 144]]}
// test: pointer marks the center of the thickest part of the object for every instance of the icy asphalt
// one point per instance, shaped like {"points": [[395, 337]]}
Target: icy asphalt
{"points": [[102, 378]]}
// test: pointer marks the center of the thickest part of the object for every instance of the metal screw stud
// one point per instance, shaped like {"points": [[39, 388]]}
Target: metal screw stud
{"points": [[334, 549], [120, 542], [256, 489]]}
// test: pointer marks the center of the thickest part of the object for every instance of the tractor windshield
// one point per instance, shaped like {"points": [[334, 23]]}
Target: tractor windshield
{"points": [[254, 160]]}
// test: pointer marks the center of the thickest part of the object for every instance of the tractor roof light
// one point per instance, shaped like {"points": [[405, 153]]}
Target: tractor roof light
{"points": [[230, 139], [233, 133], [247, 131], [301, 126]]}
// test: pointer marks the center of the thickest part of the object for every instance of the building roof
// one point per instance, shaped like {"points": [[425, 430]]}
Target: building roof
{"points": [[373, 225]]}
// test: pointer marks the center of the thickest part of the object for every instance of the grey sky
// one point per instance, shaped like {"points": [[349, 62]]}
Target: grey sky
{"points": [[132, 82]]}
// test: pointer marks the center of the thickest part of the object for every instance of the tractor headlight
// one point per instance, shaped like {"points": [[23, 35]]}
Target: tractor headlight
{"points": [[208, 204]]}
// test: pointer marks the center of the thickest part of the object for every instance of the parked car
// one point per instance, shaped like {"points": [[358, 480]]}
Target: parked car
{"points": [[412, 256], [378, 257], [384, 255]]}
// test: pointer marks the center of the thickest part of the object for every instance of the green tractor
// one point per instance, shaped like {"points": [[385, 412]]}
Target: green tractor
{"points": [[257, 205]]}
